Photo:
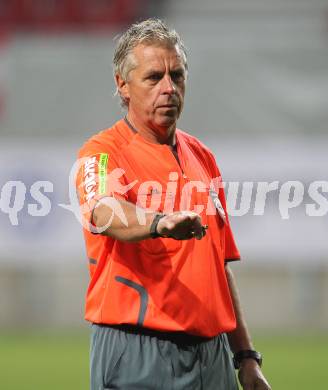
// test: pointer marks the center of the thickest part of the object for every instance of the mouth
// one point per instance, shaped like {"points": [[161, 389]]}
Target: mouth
{"points": [[168, 106]]}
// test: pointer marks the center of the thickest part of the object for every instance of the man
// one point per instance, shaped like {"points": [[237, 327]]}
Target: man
{"points": [[161, 297]]}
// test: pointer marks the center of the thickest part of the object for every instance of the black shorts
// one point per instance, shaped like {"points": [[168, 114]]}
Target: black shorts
{"points": [[130, 359]]}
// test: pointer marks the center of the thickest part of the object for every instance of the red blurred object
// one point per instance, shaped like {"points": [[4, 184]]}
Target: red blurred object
{"points": [[110, 11], [62, 14], [10, 12], [46, 13]]}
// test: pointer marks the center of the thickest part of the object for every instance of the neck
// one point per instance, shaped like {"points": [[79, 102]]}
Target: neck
{"points": [[156, 135]]}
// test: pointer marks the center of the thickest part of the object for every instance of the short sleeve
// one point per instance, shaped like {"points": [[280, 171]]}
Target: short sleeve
{"points": [[231, 252], [98, 176]]}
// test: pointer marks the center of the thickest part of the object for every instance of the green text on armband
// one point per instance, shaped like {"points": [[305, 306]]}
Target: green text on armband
{"points": [[102, 173]]}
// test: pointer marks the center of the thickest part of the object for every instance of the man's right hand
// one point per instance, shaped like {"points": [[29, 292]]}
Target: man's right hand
{"points": [[182, 225]]}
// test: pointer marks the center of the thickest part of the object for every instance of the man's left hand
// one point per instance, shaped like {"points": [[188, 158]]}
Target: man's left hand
{"points": [[251, 377]]}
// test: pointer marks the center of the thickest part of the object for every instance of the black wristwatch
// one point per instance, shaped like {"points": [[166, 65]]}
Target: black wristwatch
{"points": [[238, 357], [153, 226]]}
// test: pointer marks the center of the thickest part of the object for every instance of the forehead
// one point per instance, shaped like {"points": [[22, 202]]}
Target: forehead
{"points": [[150, 57]]}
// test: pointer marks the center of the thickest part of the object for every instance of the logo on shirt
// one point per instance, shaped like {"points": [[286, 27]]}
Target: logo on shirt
{"points": [[94, 178], [217, 203], [89, 178]]}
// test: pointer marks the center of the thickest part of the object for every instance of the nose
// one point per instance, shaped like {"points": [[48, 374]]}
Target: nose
{"points": [[168, 85]]}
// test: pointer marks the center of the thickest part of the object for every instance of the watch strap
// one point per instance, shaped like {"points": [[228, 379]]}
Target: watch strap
{"points": [[246, 354], [153, 226]]}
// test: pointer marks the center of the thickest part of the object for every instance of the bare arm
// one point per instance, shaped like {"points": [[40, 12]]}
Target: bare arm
{"points": [[250, 374], [125, 221], [238, 339]]}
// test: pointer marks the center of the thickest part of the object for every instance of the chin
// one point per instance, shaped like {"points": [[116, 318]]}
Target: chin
{"points": [[167, 121]]}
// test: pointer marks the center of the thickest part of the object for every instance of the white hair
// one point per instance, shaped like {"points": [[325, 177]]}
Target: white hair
{"points": [[150, 32]]}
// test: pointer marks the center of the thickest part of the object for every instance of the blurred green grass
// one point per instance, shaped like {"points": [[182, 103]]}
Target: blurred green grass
{"points": [[59, 360], [295, 362]]}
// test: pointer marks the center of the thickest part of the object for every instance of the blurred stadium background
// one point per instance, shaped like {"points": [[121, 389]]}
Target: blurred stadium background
{"points": [[257, 94]]}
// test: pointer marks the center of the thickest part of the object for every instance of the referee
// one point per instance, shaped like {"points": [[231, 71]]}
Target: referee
{"points": [[162, 299]]}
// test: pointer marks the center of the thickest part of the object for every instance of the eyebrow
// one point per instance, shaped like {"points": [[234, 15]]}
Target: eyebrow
{"points": [[160, 72]]}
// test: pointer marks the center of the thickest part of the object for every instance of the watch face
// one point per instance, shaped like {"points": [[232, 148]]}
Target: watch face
{"points": [[236, 364]]}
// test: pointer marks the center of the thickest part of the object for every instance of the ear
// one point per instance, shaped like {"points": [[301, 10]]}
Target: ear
{"points": [[122, 87]]}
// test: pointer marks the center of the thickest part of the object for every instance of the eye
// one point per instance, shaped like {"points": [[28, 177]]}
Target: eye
{"points": [[154, 77], [177, 76]]}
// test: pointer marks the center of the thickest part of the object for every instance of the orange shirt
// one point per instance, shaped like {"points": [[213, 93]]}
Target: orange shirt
{"points": [[163, 284]]}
